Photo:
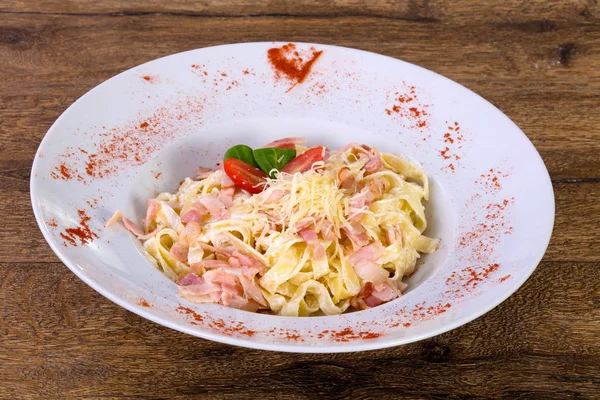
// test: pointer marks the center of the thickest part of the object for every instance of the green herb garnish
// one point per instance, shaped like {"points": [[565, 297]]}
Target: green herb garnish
{"points": [[241, 152], [273, 158]]}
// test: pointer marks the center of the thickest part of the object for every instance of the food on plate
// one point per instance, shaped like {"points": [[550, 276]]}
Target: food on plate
{"points": [[291, 230]]}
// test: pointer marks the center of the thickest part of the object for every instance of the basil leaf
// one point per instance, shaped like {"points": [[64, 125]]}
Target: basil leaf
{"points": [[241, 152], [273, 158]]}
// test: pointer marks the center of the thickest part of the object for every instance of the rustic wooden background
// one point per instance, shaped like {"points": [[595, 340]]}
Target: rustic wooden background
{"points": [[538, 61]]}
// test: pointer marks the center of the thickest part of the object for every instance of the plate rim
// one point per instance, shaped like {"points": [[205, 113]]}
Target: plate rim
{"points": [[291, 347]]}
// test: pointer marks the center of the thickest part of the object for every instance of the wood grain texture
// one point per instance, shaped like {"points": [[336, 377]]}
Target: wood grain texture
{"points": [[538, 61]]}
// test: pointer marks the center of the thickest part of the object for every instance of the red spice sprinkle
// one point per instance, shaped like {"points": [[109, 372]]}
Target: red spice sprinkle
{"points": [[131, 145], [61, 171], [64, 171], [491, 180], [144, 303], [348, 334], [52, 223], [408, 109], [157, 175], [444, 153], [229, 330], [454, 140], [293, 336], [448, 138], [190, 312], [82, 232], [288, 63], [150, 79], [504, 278]]}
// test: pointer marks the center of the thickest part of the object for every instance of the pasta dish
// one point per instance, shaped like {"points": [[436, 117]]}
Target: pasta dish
{"points": [[291, 230]]}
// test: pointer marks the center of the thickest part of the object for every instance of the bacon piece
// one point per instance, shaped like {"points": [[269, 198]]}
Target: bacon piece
{"points": [[203, 173], [384, 293], [151, 212], [304, 223], [204, 292], [192, 215], [212, 204], [371, 253], [356, 233], [195, 213], [132, 227], [346, 178], [327, 230], [286, 143], [213, 264], [376, 186], [226, 182], [252, 291], [190, 279], [274, 195], [373, 165], [393, 235], [225, 214], [370, 271], [117, 216], [191, 232], [250, 263], [179, 251], [310, 237], [220, 276], [239, 302], [234, 262], [372, 295], [358, 301], [208, 247], [225, 196]]}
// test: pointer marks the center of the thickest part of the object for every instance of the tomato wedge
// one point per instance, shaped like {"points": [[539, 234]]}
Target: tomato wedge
{"points": [[305, 161], [244, 175]]}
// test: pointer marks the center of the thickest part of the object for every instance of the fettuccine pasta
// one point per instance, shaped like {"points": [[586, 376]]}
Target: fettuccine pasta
{"points": [[342, 234]]}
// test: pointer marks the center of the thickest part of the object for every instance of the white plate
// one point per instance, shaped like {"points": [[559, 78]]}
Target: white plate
{"points": [[492, 201]]}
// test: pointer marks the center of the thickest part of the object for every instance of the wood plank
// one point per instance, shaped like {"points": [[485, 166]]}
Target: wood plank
{"points": [[531, 15], [540, 343]]}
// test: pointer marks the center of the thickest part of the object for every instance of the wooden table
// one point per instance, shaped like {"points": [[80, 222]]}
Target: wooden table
{"points": [[539, 62]]}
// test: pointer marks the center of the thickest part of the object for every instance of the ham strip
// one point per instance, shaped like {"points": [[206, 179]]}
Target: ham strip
{"points": [[310, 237], [225, 196], [179, 251], [151, 212], [373, 165], [370, 253], [131, 226], [190, 279], [192, 215], [357, 235], [370, 271], [346, 178], [203, 173], [286, 143], [212, 204]]}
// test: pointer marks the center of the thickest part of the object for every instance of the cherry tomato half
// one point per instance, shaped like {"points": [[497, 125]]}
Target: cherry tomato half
{"points": [[244, 175], [305, 161]]}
